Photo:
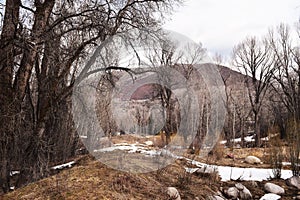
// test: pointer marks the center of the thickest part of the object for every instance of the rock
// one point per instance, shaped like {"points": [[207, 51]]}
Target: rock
{"points": [[252, 160], [239, 186], [232, 192], [149, 143], [270, 196], [173, 193], [116, 133], [244, 193], [273, 188], [296, 197], [294, 181]]}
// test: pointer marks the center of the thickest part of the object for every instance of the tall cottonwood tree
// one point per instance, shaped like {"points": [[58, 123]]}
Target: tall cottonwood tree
{"points": [[43, 44], [253, 58], [287, 63], [287, 87], [165, 55]]}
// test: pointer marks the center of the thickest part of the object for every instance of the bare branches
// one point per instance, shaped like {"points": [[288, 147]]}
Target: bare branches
{"points": [[254, 59], [41, 57], [287, 63]]}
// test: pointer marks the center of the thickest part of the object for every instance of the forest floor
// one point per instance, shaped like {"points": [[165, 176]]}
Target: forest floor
{"points": [[90, 179]]}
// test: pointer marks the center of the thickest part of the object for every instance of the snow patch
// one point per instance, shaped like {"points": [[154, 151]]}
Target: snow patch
{"points": [[12, 173], [236, 173], [62, 166]]}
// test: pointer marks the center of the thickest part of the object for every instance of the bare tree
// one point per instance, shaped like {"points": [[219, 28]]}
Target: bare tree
{"points": [[287, 62], [254, 59], [41, 58], [287, 87], [165, 55]]}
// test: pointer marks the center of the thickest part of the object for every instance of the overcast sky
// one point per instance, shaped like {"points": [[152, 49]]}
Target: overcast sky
{"points": [[220, 24]]}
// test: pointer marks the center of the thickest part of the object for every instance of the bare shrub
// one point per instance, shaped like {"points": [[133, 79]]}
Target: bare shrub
{"points": [[276, 154], [183, 180], [294, 144]]}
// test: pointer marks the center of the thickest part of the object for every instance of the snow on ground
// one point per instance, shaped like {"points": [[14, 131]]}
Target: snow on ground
{"points": [[226, 172], [12, 173], [250, 138], [138, 148], [237, 173], [249, 174], [62, 166]]}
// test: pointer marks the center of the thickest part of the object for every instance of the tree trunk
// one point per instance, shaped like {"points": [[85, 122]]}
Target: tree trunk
{"points": [[7, 108], [257, 130]]}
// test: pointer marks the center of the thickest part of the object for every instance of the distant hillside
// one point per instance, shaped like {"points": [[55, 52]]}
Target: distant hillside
{"points": [[231, 78]]}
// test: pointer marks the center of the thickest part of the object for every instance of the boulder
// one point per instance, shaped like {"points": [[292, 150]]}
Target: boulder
{"points": [[252, 160], [239, 186], [173, 193], [149, 143], [244, 193], [232, 193], [270, 196], [273, 188], [294, 181]]}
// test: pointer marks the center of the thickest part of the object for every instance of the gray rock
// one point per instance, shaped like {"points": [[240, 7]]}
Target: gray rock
{"points": [[294, 181], [232, 192], [173, 193], [270, 196], [244, 193], [239, 186], [273, 188], [252, 160]]}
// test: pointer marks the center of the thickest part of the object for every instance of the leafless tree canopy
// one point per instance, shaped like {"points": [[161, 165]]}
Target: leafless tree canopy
{"points": [[43, 45], [254, 59]]}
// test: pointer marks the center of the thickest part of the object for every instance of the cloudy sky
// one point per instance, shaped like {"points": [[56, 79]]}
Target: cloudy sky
{"points": [[220, 24]]}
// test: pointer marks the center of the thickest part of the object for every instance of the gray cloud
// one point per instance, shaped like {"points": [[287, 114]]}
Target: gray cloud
{"points": [[219, 24]]}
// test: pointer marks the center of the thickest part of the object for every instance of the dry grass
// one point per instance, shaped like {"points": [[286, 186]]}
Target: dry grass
{"points": [[92, 180]]}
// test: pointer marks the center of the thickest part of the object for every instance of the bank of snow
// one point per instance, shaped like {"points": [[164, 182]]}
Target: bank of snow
{"points": [[237, 173], [226, 173]]}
